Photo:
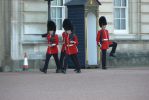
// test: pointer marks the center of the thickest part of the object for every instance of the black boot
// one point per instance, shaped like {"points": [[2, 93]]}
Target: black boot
{"points": [[64, 70], [112, 55], [78, 71], [75, 70], [43, 70], [58, 70], [104, 68]]}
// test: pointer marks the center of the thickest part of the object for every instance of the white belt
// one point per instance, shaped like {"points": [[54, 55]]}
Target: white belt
{"points": [[105, 40], [69, 45]]}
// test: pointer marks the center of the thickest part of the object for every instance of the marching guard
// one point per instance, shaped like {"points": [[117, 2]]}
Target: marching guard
{"points": [[103, 42], [52, 49], [63, 50], [71, 42]]}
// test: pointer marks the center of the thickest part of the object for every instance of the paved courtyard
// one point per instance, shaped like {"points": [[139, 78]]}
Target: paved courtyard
{"points": [[91, 84]]}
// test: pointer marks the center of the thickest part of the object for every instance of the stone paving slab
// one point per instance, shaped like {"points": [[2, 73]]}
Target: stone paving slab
{"points": [[91, 84]]}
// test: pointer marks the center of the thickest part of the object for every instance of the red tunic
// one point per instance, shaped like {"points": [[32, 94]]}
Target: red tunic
{"points": [[52, 49], [71, 48], [63, 46], [105, 39]]}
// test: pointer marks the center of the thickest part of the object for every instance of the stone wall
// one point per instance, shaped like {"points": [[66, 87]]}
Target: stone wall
{"points": [[130, 53]]}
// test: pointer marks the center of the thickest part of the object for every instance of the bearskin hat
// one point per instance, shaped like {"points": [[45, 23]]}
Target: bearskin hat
{"points": [[102, 21], [66, 22], [67, 25], [51, 26]]}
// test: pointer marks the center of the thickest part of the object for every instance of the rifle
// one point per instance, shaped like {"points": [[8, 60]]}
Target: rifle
{"points": [[101, 34], [52, 39]]}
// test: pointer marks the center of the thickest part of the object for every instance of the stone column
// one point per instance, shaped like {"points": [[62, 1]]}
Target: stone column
{"points": [[16, 29], [1, 32], [6, 6]]}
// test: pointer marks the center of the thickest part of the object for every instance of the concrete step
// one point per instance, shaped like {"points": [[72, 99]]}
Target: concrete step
{"points": [[128, 59]]}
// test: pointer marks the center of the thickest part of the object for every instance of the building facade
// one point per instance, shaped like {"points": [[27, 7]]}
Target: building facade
{"points": [[23, 22]]}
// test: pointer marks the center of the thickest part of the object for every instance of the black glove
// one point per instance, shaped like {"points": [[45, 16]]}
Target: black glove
{"points": [[44, 35]]}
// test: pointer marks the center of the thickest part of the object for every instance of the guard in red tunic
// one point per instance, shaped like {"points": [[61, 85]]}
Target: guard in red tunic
{"points": [[71, 42], [63, 50], [103, 41], [52, 49]]}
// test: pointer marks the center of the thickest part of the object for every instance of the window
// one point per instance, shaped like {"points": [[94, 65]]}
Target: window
{"points": [[120, 16], [35, 15], [57, 12]]}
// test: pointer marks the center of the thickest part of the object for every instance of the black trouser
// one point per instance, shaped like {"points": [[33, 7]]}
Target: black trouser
{"points": [[62, 58], [104, 52], [48, 56], [75, 60], [113, 45]]}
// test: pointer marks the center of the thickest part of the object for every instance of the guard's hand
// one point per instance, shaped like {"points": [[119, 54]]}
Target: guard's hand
{"points": [[52, 45], [72, 42], [99, 44]]}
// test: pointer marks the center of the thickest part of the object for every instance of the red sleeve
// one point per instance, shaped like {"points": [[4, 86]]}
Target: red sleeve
{"points": [[56, 39], [48, 38], [66, 40], [63, 36], [76, 40], [98, 37], [108, 34]]}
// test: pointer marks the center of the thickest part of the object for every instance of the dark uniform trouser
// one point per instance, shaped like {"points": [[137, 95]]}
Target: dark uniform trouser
{"points": [[48, 56], [62, 58], [104, 58], [113, 45], [75, 60], [104, 52]]}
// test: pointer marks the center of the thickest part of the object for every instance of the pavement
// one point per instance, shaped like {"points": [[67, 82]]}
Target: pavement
{"points": [[91, 84]]}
